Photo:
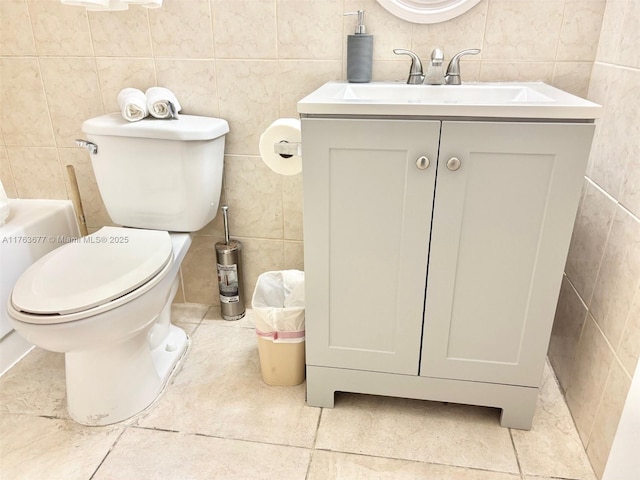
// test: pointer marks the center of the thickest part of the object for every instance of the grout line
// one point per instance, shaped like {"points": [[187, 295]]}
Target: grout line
{"points": [[427, 462], [113, 445], [515, 453], [313, 445], [611, 198], [219, 437], [557, 49], [604, 250], [575, 290], [315, 437], [151, 47], [158, 429], [313, 448]]}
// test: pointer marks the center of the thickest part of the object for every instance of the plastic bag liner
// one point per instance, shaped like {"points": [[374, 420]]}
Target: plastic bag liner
{"points": [[278, 306]]}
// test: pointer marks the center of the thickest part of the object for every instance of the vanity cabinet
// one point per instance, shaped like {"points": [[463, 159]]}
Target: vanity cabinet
{"points": [[367, 217], [434, 252]]}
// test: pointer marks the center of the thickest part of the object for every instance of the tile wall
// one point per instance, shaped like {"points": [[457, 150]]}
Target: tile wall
{"points": [[250, 61], [596, 338]]}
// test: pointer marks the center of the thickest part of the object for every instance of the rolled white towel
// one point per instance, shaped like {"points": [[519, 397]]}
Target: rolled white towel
{"points": [[162, 103], [133, 104]]}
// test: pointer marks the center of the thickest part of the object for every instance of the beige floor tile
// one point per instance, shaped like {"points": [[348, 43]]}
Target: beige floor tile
{"points": [[220, 392], [36, 448], [344, 466], [187, 315], [527, 477], [449, 434], [552, 447], [36, 385], [214, 317], [150, 454]]}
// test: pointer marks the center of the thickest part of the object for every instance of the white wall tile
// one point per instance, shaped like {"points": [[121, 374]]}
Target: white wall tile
{"points": [[581, 24], [182, 29], [310, 29], [607, 417], [589, 377], [16, 34], [249, 101], [116, 73], [59, 29], [24, 116], [193, 82], [244, 28], [590, 233], [37, 172], [120, 34], [518, 30], [86, 101], [618, 277]]}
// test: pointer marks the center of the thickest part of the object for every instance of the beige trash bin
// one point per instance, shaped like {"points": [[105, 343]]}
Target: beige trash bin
{"points": [[278, 307], [281, 363]]}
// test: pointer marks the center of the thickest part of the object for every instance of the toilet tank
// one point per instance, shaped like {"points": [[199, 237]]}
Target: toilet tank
{"points": [[158, 174]]}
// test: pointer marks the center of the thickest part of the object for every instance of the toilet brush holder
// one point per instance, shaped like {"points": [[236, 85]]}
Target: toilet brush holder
{"points": [[229, 264]]}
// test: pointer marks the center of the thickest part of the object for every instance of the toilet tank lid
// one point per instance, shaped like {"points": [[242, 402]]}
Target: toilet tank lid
{"points": [[187, 127]]}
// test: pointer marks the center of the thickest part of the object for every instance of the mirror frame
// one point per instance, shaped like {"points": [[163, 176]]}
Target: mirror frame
{"points": [[427, 11]]}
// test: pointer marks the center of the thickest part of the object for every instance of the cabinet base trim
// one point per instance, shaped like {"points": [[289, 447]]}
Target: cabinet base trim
{"points": [[518, 404]]}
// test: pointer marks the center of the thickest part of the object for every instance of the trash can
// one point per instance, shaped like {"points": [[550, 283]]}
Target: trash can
{"points": [[278, 307]]}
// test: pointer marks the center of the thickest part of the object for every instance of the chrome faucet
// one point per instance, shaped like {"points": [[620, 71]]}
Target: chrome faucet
{"points": [[416, 75], [435, 74], [453, 70]]}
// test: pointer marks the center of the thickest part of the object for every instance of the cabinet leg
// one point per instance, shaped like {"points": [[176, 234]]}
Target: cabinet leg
{"points": [[518, 412], [319, 390]]}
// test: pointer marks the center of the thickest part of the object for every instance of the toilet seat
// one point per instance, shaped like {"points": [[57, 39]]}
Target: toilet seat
{"points": [[91, 275]]}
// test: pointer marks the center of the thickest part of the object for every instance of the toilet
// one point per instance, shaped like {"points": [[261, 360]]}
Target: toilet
{"points": [[104, 300]]}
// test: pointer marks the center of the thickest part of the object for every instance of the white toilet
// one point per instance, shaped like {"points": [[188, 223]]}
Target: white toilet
{"points": [[105, 299]]}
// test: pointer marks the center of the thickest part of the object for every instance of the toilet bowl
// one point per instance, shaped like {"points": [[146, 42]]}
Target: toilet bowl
{"points": [[119, 343], [104, 300]]}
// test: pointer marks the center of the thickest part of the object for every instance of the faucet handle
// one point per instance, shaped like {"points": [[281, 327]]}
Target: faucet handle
{"points": [[453, 70], [416, 75]]}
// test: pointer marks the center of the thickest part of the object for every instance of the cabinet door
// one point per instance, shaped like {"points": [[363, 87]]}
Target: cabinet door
{"points": [[367, 217], [502, 224]]}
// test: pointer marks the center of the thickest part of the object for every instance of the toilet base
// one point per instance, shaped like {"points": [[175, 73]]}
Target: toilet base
{"points": [[113, 384], [168, 354]]}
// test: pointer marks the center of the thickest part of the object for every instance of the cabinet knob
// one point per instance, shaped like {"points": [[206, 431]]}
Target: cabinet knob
{"points": [[453, 164], [422, 162]]}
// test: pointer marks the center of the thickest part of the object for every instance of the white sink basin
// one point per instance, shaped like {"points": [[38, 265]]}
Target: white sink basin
{"points": [[504, 100]]}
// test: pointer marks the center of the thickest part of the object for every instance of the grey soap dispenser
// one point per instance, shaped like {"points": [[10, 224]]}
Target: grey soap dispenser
{"points": [[359, 52]]}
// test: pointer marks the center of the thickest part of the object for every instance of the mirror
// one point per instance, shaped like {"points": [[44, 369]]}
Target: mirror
{"points": [[427, 11]]}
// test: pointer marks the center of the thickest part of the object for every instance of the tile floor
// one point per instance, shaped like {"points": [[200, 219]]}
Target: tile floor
{"points": [[218, 420]]}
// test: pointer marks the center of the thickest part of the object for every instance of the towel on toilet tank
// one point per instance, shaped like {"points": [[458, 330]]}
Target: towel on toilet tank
{"points": [[133, 104], [162, 103]]}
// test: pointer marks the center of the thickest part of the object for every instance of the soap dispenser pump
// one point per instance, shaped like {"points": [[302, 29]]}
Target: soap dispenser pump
{"points": [[359, 52]]}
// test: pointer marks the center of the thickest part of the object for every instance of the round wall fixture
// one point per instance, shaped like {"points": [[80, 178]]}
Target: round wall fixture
{"points": [[427, 11]]}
